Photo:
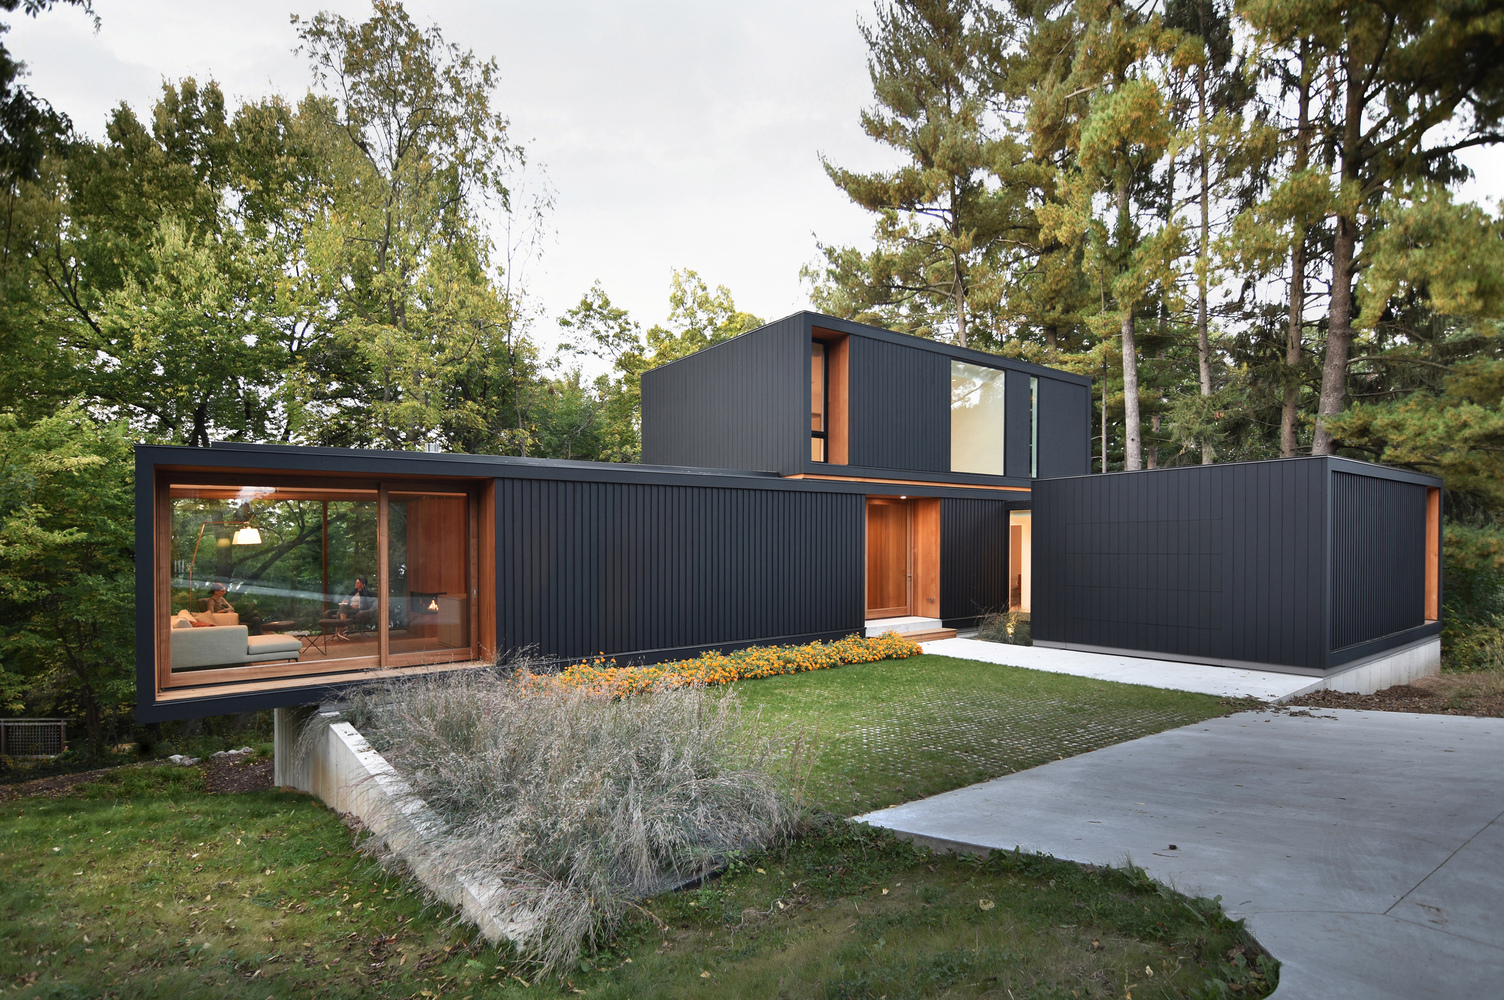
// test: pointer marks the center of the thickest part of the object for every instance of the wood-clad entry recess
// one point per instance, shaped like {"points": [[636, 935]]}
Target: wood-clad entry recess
{"points": [[1433, 554], [903, 557]]}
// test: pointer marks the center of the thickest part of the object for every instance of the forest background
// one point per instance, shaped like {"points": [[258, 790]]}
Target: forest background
{"points": [[1237, 218]]}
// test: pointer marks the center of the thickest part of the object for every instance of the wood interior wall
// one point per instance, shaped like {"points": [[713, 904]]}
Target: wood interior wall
{"points": [[838, 367], [1433, 554], [926, 561], [436, 544]]}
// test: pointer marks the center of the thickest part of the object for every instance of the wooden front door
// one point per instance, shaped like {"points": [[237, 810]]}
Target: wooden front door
{"points": [[889, 572]]}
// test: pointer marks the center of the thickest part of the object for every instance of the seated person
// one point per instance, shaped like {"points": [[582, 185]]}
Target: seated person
{"points": [[361, 604], [215, 603]]}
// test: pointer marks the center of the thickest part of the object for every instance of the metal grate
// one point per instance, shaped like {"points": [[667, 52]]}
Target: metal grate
{"points": [[32, 737]]}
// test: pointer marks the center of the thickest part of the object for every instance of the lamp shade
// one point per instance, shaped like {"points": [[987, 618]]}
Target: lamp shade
{"points": [[247, 536]]}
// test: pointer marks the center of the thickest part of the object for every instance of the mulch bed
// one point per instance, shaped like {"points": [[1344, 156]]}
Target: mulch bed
{"points": [[1412, 698], [229, 775]]}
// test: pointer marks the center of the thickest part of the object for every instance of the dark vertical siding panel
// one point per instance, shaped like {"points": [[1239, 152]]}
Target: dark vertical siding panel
{"points": [[1018, 427], [742, 404], [899, 407], [627, 569], [1378, 558], [1227, 562], [973, 558], [1064, 428]]}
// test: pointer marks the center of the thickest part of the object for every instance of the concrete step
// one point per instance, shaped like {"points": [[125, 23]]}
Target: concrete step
{"points": [[903, 626]]}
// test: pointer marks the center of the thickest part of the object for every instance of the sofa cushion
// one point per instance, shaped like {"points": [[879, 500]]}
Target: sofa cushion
{"points": [[219, 646], [228, 646], [272, 647]]}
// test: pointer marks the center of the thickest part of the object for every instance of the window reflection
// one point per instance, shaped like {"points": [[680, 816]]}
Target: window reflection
{"points": [[976, 419], [276, 581]]}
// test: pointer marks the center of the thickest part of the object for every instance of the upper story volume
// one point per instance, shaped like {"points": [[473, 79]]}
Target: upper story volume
{"points": [[812, 395]]}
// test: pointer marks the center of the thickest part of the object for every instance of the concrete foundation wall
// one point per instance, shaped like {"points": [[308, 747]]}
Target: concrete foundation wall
{"points": [[1395, 666], [341, 769]]}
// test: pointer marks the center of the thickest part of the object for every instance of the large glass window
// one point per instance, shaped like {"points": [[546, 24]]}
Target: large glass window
{"points": [[976, 419], [277, 581], [818, 392]]}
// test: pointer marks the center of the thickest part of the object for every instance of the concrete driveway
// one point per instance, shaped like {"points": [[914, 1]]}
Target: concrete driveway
{"points": [[1364, 849]]}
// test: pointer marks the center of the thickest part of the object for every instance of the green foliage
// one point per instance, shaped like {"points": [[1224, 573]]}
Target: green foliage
{"points": [[67, 574], [603, 422]]}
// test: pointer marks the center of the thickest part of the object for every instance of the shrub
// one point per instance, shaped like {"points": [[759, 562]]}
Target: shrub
{"points": [[576, 804]]}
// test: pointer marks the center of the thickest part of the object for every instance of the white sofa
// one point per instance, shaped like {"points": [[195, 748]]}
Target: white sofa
{"points": [[228, 644]]}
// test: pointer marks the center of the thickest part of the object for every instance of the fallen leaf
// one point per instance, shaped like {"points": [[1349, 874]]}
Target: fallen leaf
{"points": [[986, 904]]}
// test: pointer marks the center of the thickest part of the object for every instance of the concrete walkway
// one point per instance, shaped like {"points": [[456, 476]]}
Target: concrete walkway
{"points": [[1365, 849], [1225, 682]]}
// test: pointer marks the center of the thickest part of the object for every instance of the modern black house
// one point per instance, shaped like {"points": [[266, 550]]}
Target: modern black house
{"points": [[806, 480]]}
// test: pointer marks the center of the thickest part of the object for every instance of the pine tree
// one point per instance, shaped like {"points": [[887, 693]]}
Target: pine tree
{"points": [[1411, 84], [938, 219], [1117, 137]]}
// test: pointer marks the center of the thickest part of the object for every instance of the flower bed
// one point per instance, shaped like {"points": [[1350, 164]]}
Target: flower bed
{"points": [[604, 677]]}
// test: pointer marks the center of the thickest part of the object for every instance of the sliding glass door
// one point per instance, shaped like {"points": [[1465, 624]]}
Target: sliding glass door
{"points": [[276, 577]]}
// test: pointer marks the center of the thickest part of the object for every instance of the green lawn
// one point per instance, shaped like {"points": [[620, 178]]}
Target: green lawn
{"points": [[899, 730], [145, 885]]}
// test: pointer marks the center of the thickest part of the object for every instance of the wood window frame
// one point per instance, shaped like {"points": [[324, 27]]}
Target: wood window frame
{"points": [[480, 575]]}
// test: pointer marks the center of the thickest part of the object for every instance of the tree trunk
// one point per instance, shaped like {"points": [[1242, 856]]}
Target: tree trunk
{"points": [[959, 288], [1289, 437], [1339, 335], [1203, 337], [1133, 445]]}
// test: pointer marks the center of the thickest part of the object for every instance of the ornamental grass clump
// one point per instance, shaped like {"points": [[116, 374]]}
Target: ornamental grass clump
{"points": [[573, 804]]}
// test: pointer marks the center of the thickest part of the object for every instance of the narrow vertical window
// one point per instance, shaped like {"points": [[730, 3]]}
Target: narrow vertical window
{"points": [[1033, 426], [818, 378]]}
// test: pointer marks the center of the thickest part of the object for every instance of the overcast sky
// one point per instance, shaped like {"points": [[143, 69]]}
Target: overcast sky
{"points": [[674, 134]]}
